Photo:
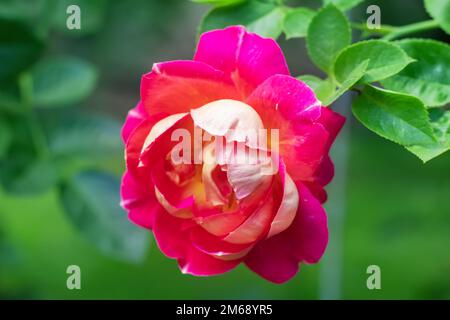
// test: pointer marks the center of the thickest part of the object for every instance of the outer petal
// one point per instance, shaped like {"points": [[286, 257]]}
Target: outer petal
{"points": [[247, 57], [139, 201], [172, 237], [283, 98], [216, 247], [276, 259], [325, 172], [134, 118], [309, 230], [289, 105], [171, 234], [178, 86], [199, 263], [332, 122], [303, 148], [133, 147]]}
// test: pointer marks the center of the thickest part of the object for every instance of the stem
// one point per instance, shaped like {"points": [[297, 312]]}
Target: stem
{"points": [[37, 135], [383, 29], [411, 28]]}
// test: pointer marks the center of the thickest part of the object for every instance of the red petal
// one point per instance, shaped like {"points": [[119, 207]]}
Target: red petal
{"points": [[171, 234], [201, 264], [276, 259], [212, 245], [281, 99], [249, 58], [134, 118], [139, 201], [179, 86], [333, 123]]}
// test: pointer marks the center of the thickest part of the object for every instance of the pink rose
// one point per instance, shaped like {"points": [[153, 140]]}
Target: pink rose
{"points": [[212, 210]]}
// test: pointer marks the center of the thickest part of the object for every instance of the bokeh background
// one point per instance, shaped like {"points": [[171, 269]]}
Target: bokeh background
{"points": [[385, 208]]}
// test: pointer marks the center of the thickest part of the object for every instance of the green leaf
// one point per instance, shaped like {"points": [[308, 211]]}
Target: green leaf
{"points": [[19, 48], [440, 121], [24, 175], [93, 13], [91, 201], [394, 116], [440, 11], [219, 3], [263, 18], [5, 136], [21, 171], [83, 136], [62, 81], [297, 21], [322, 88], [352, 79], [22, 10], [429, 77], [10, 98], [343, 4], [386, 59], [328, 33]]}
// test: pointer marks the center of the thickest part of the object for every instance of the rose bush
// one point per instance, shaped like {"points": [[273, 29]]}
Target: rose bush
{"points": [[213, 215]]}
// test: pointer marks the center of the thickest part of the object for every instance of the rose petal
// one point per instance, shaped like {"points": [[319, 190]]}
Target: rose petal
{"points": [[333, 123], [325, 172], [221, 224], [233, 119], [178, 86], [310, 228], [138, 201], [304, 150], [134, 144], [171, 234], [272, 260], [288, 207], [212, 245], [134, 118], [178, 197], [316, 190], [199, 263], [283, 98], [276, 259], [247, 178], [213, 193], [153, 158], [249, 58], [255, 226], [160, 127]]}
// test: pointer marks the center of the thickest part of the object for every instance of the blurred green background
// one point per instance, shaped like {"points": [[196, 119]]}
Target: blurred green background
{"points": [[385, 208]]}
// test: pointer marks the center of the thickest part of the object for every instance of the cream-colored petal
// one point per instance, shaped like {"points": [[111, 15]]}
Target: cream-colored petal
{"points": [[160, 127], [232, 119], [287, 210]]}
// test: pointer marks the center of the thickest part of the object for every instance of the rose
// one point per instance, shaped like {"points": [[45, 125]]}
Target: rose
{"points": [[214, 214]]}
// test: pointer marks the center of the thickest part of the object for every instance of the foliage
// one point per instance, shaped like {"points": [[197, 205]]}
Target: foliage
{"points": [[46, 140], [412, 108]]}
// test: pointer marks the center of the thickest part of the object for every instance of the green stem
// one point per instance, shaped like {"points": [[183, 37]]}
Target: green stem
{"points": [[411, 28], [37, 135], [383, 29]]}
